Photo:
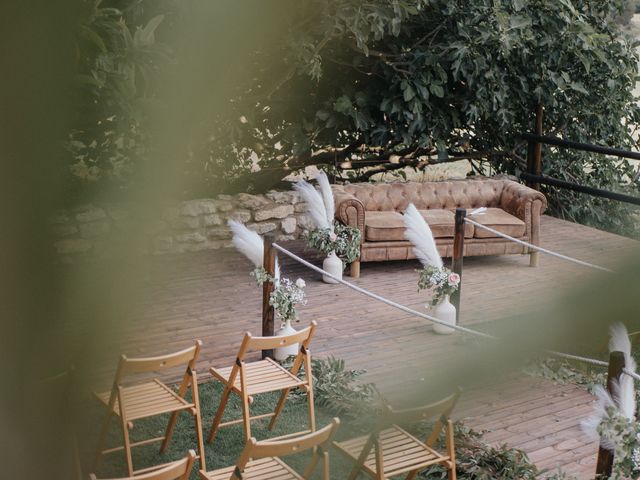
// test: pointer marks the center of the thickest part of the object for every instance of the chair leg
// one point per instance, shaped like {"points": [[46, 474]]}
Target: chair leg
{"points": [[169, 432], [354, 472], [219, 413], [246, 415], [127, 447], [101, 439], [198, 422], [279, 407], [312, 411], [451, 451]]}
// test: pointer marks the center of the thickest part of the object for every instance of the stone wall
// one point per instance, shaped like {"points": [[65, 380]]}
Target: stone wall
{"points": [[193, 225]]}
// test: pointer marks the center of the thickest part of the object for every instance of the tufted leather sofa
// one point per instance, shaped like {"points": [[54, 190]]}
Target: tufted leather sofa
{"points": [[376, 210]]}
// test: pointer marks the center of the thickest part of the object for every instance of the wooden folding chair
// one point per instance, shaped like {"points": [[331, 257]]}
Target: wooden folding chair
{"points": [[390, 450], [260, 460], [149, 398], [179, 470], [247, 379]]}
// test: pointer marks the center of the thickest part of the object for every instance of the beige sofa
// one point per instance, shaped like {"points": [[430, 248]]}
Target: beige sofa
{"points": [[376, 210]]}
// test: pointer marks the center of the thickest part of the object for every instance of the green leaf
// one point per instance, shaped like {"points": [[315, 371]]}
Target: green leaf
{"points": [[578, 87], [343, 105], [437, 90], [519, 21], [408, 93], [518, 5]]}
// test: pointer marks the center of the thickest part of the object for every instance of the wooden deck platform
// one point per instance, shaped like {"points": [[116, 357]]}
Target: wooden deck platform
{"points": [[210, 296]]}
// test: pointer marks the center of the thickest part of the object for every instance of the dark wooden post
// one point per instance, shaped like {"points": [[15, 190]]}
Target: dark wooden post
{"points": [[534, 152], [268, 313], [458, 254], [605, 457]]}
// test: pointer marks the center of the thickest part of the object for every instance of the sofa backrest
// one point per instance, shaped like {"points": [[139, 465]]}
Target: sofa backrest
{"points": [[427, 195]]}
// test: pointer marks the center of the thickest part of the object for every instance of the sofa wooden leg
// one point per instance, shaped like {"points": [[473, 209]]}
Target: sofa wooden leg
{"points": [[533, 259], [355, 269]]}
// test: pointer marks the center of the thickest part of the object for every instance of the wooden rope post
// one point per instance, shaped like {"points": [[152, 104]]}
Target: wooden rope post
{"points": [[268, 313], [605, 457], [458, 254], [534, 152]]}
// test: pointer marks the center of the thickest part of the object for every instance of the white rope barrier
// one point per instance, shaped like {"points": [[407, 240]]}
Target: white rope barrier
{"points": [[578, 358], [391, 303], [378, 297], [536, 247], [632, 374]]}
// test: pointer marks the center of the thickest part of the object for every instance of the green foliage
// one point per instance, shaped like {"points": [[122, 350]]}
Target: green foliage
{"points": [[476, 460], [118, 59], [438, 78], [563, 372], [337, 389], [358, 82], [345, 241]]}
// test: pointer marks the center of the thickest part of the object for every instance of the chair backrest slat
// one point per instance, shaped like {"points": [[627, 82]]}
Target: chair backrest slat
{"points": [[268, 343], [179, 470], [152, 364], [427, 412], [278, 448], [290, 446]]}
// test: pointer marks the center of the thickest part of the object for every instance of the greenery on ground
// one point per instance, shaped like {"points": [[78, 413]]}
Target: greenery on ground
{"points": [[338, 390], [337, 394], [346, 82], [564, 372]]}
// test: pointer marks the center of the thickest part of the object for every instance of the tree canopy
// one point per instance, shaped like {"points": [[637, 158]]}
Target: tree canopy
{"points": [[356, 83]]}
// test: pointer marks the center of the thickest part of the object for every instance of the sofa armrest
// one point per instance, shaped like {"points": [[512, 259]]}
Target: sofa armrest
{"points": [[517, 199], [350, 211]]}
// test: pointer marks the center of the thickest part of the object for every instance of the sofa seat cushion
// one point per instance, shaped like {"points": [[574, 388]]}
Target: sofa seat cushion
{"points": [[499, 220], [383, 226], [443, 223]]}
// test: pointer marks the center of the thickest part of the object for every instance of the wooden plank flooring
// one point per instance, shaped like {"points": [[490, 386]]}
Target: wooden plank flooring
{"points": [[210, 296]]}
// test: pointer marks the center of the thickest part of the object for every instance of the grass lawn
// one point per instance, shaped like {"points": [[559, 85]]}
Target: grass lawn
{"points": [[224, 450]]}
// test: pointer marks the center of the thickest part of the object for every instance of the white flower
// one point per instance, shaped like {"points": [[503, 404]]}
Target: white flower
{"points": [[300, 283]]}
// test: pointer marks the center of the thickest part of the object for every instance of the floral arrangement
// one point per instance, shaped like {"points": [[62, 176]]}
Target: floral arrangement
{"points": [[343, 240], [434, 276], [621, 435], [285, 296], [441, 281], [613, 421], [328, 235]]}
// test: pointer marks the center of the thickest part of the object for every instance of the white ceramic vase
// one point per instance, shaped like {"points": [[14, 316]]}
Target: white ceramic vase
{"points": [[282, 353], [333, 265], [446, 312]]}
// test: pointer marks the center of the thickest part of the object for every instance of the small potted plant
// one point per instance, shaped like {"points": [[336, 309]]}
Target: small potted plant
{"points": [[285, 296]]}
